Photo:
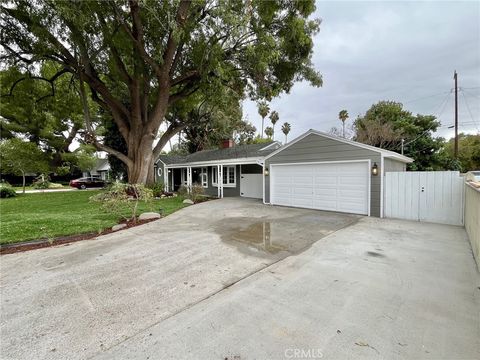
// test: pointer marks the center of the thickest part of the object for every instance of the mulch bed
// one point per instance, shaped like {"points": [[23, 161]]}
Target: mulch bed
{"points": [[62, 240]]}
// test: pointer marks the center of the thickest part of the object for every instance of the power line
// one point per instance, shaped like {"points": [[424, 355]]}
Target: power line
{"points": [[471, 94], [426, 97], [440, 111], [469, 111]]}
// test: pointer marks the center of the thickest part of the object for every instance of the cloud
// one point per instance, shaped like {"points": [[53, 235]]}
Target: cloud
{"points": [[401, 51]]}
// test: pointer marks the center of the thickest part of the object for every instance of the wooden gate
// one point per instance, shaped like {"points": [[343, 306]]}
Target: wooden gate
{"points": [[432, 196]]}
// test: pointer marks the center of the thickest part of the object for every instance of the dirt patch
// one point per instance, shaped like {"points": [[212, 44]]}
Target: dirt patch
{"points": [[62, 240]]}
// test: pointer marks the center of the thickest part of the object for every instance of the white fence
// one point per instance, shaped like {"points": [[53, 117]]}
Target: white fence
{"points": [[432, 196]]}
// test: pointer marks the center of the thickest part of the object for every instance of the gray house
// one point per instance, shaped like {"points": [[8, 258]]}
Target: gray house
{"points": [[315, 171], [101, 169]]}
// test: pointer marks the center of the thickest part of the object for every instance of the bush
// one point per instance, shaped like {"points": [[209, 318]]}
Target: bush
{"points": [[183, 191], [6, 191], [157, 189], [196, 193], [120, 198], [42, 182]]}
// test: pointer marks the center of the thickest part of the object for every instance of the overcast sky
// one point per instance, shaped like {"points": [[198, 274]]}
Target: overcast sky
{"points": [[401, 51]]}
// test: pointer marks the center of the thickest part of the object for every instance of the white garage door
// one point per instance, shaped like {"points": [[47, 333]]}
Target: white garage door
{"points": [[340, 187]]}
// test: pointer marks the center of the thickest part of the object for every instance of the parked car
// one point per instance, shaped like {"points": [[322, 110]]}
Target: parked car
{"points": [[87, 182]]}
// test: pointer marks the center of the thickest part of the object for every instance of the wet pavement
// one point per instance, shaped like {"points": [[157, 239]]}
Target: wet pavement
{"points": [[290, 235], [78, 300]]}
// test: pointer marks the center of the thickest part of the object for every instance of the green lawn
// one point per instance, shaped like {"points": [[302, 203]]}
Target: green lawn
{"points": [[41, 215]]}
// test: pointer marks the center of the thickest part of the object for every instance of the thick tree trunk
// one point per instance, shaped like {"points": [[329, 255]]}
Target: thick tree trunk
{"points": [[141, 154]]}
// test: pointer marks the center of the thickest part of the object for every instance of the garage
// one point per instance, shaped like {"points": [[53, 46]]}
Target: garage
{"points": [[333, 186], [325, 172]]}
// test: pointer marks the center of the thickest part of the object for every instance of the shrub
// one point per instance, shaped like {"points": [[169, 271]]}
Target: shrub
{"points": [[182, 191], [197, 193], [42, 182], [157, 189], [6, 191], [120, 198]]}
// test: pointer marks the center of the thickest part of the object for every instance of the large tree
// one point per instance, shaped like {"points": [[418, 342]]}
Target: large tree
{"points": [[139, 59], [32, 109], [386, 123]]}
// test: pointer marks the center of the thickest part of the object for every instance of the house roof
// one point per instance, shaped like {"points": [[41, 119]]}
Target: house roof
{"points": [[235, 152], [385, 153], [102, 165]]}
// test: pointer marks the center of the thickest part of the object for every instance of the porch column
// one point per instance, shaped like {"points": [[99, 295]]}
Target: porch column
{"points": [[189, 179], [220, 181], [165, 178]]}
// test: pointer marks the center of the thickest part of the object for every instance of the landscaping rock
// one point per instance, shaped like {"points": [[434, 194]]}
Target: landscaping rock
{"points": [[119, 227], [149, 216], [188, 201]]}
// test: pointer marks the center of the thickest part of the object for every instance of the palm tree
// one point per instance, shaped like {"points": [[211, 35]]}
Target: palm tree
{"points": [[263, 111], [274, 118], [286, 129], [343, 116], [269, 132]]}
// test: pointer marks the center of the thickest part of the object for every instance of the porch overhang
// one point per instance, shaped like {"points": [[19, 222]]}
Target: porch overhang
{"points": [[219, 164], [239, 161]]}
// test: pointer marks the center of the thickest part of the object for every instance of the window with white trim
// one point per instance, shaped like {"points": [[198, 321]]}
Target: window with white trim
{"points": [[204, 177], [229, 176]]}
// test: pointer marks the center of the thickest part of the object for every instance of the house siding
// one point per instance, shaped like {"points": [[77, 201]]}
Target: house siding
{"points": [[227, 191], [210, 190], [394, 165], [159, 179], [316, 148]]}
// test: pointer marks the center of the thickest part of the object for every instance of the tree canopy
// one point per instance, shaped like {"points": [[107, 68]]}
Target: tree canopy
{"points": [[386, 123], [20, 157], [468, 153], [141, 59], [286, 130], [31, 108]]}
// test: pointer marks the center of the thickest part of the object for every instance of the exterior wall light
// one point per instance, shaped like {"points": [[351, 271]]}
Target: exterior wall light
{"points": [[266, 172], [375, 169]]}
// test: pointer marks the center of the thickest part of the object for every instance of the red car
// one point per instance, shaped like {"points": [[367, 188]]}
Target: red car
{"points": [[87, 182]]}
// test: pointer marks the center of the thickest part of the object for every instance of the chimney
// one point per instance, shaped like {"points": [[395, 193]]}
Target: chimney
{"points": [[227, 143]]}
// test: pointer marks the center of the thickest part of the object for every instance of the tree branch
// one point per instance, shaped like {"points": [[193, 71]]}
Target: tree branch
{"points": [[171, 131], [182, 78], [50, 81]]}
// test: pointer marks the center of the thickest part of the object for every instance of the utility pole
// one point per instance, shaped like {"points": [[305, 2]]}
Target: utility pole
{"points": [[403, 141], [456, 115]]}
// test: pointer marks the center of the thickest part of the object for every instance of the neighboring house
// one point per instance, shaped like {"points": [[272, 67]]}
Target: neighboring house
{"points": [[101, 170], [315, 171]]}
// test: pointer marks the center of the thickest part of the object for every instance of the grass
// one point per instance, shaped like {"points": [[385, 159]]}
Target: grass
{"points": [[47, 215]]}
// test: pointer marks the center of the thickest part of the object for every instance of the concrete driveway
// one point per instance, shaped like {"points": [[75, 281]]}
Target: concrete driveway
{"points": [[71, 302], [216, 281]]}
